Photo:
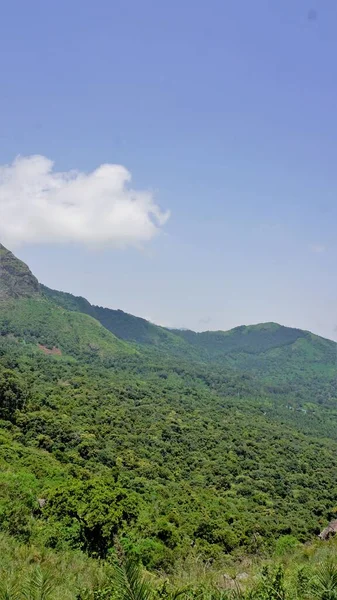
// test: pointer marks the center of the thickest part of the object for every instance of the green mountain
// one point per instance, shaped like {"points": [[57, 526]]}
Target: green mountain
{"points": [[253, 339], [181, 444], [278, 353], [27, 315], [123, 325], [37, 321], [271, 351]]}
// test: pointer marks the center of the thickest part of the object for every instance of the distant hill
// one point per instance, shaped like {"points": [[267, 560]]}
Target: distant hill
{"points": [[267, 349], [252, 339], [270, 350]]}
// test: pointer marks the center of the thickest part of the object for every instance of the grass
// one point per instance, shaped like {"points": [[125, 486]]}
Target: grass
{"points": [[41, 322], [307, 572], [60, 576]]}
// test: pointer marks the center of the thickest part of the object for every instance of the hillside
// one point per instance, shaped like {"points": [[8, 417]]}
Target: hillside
{"points": [[278, 354], [268, 349], [16, 279], [38, 322], [28, 316], [253, 339], [180, 443], [123, 325]]}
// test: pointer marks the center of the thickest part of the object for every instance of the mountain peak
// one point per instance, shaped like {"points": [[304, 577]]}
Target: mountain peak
{"points": [[16, 279]]}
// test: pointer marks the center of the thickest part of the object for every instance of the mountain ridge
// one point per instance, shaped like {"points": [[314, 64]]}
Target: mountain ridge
{"points": [[16, 278], [268, 349]]}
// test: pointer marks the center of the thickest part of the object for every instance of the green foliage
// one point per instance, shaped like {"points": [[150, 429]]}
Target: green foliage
{"points": [[324, 584], [12, 394], [215, 445], [39, 586], [38, 321], [204, 459], [92, 511], [285, 544], [129, 582], [271, 586]]}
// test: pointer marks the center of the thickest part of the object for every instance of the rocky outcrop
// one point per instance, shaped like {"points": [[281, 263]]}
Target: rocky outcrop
{"points": [[16, 279], [330, 530]]}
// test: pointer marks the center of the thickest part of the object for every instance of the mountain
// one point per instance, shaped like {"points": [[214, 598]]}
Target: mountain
{"points": [[276, 354], [27, 315], [253, 339], [181, 444], [16, 279], [37, 321], [120, 323], [270, 350]]}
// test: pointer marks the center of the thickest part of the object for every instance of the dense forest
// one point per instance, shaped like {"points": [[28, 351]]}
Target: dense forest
{"points": [[127, 446]]}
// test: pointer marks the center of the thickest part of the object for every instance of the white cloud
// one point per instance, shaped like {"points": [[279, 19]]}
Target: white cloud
{"points": [[38, 204]]}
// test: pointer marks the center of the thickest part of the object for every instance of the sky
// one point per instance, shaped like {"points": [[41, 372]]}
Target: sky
{"points": [[175, 159]]}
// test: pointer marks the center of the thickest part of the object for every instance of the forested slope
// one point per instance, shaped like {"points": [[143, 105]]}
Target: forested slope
{"points": [[282, 355], [173, 452]]}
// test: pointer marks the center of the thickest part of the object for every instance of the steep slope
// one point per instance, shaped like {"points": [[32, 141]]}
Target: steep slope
{"points": [[123, 325], [16, 279], [52, 328], [29, 316]]}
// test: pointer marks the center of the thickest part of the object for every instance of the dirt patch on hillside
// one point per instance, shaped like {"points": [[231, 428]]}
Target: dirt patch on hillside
{"points": [[52, 350]]}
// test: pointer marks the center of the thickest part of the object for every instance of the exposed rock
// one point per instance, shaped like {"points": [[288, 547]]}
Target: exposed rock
{"points": [[94, 347], [233, 582], [242, 576], [16, 279], [330, 530]]}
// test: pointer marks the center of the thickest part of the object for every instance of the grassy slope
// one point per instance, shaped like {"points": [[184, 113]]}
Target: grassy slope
{"points": [[276, 353], [39, 321], [125, 326], [306, 573]]}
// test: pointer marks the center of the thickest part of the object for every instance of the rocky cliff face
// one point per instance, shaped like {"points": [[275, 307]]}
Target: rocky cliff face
{"points": [[16, 279]]}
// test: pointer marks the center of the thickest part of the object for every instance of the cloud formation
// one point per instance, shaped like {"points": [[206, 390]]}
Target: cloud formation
{"points": [[40, 205]]}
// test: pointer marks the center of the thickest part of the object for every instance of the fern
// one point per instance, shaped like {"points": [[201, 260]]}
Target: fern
{"points": [[39, 586], [130, 583], [324, 585], [9, 591]]}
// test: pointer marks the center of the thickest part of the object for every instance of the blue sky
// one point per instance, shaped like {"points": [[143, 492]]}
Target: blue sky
{"points": [[225, 111]]}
